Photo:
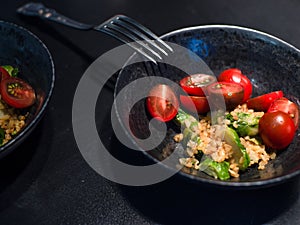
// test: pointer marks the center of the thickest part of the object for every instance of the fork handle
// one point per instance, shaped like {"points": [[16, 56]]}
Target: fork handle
{"points": [[39, 10]]}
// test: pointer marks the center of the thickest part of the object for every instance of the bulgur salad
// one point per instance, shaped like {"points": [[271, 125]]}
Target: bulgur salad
{"points": [[225, 148], [16, 95], [249, 132]]}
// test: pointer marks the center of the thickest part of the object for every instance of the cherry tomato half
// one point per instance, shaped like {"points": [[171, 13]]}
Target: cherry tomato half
{"points": [[17, 92], [230, 93], [263, 102], [236, 76], [162, 103], [192, 103], [276, 129], [287, 106], [195, 84]]}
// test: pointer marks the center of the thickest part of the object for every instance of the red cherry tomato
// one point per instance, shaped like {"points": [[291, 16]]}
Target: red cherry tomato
{"points": [[263, 102], [192, 103], [195, 84], [230, 93], [287, 106], [162, 103], [236, 76], [17, 93], [3, 73], [276, 129]]}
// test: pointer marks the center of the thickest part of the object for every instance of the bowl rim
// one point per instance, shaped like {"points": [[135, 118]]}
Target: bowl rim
{"points": [[215, 182], [236, 27], [9, 146]]}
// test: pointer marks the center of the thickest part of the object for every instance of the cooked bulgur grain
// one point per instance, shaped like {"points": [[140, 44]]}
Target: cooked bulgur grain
{"points": [[11, 121], [213, 145]]}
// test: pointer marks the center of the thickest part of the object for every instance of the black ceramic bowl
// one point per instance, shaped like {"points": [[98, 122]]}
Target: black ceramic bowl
{"points": [[22, 49], [269, 62]]}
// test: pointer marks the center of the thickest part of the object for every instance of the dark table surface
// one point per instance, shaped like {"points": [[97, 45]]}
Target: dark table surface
{"points": [[47, 181]]}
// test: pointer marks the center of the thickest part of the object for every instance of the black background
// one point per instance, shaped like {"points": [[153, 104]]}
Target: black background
{"points": [[46, 180]]}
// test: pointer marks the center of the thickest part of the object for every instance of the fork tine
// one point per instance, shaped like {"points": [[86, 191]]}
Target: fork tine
{"points": [[116, 35], [135, 31], [144, 29], [126, 29], [127, 37]]}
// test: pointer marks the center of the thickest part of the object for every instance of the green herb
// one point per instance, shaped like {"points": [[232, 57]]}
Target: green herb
{"points": [[12, 71], [246, 124], [240, 154], [215, 169], [2, 136], [187, 120]]}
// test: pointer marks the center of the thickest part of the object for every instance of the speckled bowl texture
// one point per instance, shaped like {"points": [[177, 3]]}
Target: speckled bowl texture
{"points": [[269, 62], [22, 49]]}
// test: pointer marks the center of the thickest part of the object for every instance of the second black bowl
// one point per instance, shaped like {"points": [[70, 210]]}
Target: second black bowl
{"points": [[22, 49]]}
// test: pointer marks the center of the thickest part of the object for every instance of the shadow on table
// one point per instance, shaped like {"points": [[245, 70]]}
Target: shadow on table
{"points": [[21, 167], [177, 202], [48, 28]]}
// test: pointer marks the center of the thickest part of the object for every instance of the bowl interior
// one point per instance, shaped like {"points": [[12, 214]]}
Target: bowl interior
{"points": [[22, 49], [270, 63]]}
